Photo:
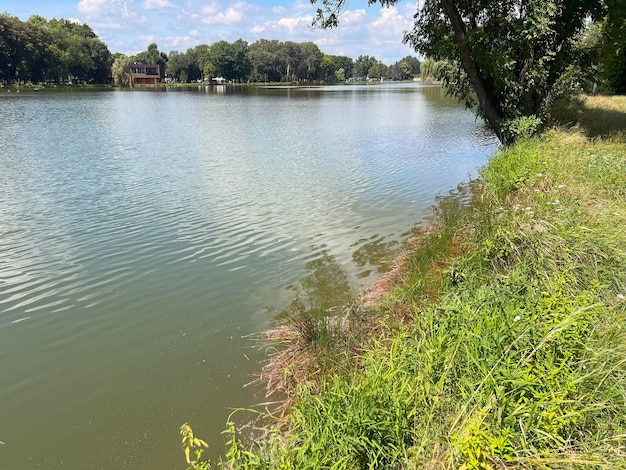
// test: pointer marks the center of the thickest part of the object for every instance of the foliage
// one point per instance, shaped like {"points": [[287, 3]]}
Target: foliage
{"points": [[230, 61], [57, 50], [522, 127], [502, 343], [362, 66], [192, 443], [183, 66], [405, 69], [119, 71], [604, 46], [288, 61], [429, 70], [336, 68]]}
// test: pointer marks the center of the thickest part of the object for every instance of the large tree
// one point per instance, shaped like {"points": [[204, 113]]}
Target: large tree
{"points": [[504, 58], [286, 61], [39, 50], [119, 70]]}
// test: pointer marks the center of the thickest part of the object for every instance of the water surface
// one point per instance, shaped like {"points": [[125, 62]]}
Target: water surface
{"points": [[144, 235]]}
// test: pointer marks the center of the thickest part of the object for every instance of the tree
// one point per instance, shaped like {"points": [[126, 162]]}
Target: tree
{"points": [[311, 61], [287, 61], [378, 71], [362, 66], [606, 43], [119, 71], [405, 69], [77, 52], [222, 60], [39, 50], [176, 66], [265, 60], [241, 65], [345, 63], [504, 59], [24, 53], [202, 54], [183, 65], [429, 70]]}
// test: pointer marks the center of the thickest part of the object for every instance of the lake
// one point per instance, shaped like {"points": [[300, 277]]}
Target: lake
{"points": [[145, 235]]}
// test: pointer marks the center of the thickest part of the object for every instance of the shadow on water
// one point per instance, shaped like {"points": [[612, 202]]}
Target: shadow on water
{"points": [[325, 290], [375, 253], [325, 287]]}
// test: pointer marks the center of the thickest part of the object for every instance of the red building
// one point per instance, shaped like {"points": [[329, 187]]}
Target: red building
{"points": [[145, 73]]}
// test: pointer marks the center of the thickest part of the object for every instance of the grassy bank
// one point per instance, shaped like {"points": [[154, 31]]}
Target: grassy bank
{"points": [[499, 341]]}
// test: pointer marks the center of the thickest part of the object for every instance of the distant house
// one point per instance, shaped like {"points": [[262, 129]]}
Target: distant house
{"points": [[144, 73]]}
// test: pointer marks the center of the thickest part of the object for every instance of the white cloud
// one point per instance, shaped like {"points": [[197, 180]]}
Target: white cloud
{"points": [[258, 30], [352, 17], [95, 8], [181, 43], [157, 4], [212, 14], [389, 27], [147, 39], [179, 24], [110, 14], [302, 6], [299, 24], [92, 7]]}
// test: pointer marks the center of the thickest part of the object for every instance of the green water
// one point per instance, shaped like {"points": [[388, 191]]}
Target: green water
{"points": [[145, 235]]}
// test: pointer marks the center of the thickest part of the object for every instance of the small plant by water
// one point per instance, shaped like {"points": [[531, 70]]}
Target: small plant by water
{"points": [[500, 340]]}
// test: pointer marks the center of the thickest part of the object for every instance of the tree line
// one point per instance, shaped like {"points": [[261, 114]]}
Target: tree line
{"points": [[39, 50], [263, 61], [61, 51]]}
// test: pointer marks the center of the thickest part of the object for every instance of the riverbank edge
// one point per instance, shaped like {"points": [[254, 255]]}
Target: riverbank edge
{"points": [[171, 85], [498, 341]]}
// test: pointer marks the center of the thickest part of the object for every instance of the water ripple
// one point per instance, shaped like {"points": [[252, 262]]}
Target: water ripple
{"points": [[135, 253]]}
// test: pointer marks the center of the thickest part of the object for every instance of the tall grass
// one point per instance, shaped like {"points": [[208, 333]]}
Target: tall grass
{"points": [[501, 345]]}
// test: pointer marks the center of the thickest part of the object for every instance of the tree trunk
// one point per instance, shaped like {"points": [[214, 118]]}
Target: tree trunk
{"points": [[487, 102]]}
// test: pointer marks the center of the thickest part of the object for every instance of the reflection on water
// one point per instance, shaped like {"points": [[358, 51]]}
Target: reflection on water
{"points": [[145, 235], [375, 252], [325, 284]]}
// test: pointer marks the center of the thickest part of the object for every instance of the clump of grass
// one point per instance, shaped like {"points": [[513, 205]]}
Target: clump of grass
{"points": [[510, 349], [311, 345]]}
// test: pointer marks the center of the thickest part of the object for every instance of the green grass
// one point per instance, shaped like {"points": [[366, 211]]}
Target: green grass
{"points": [[500, 344]]}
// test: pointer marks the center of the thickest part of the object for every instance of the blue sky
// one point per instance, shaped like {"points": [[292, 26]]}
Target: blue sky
{"points": [[128, 26]]}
